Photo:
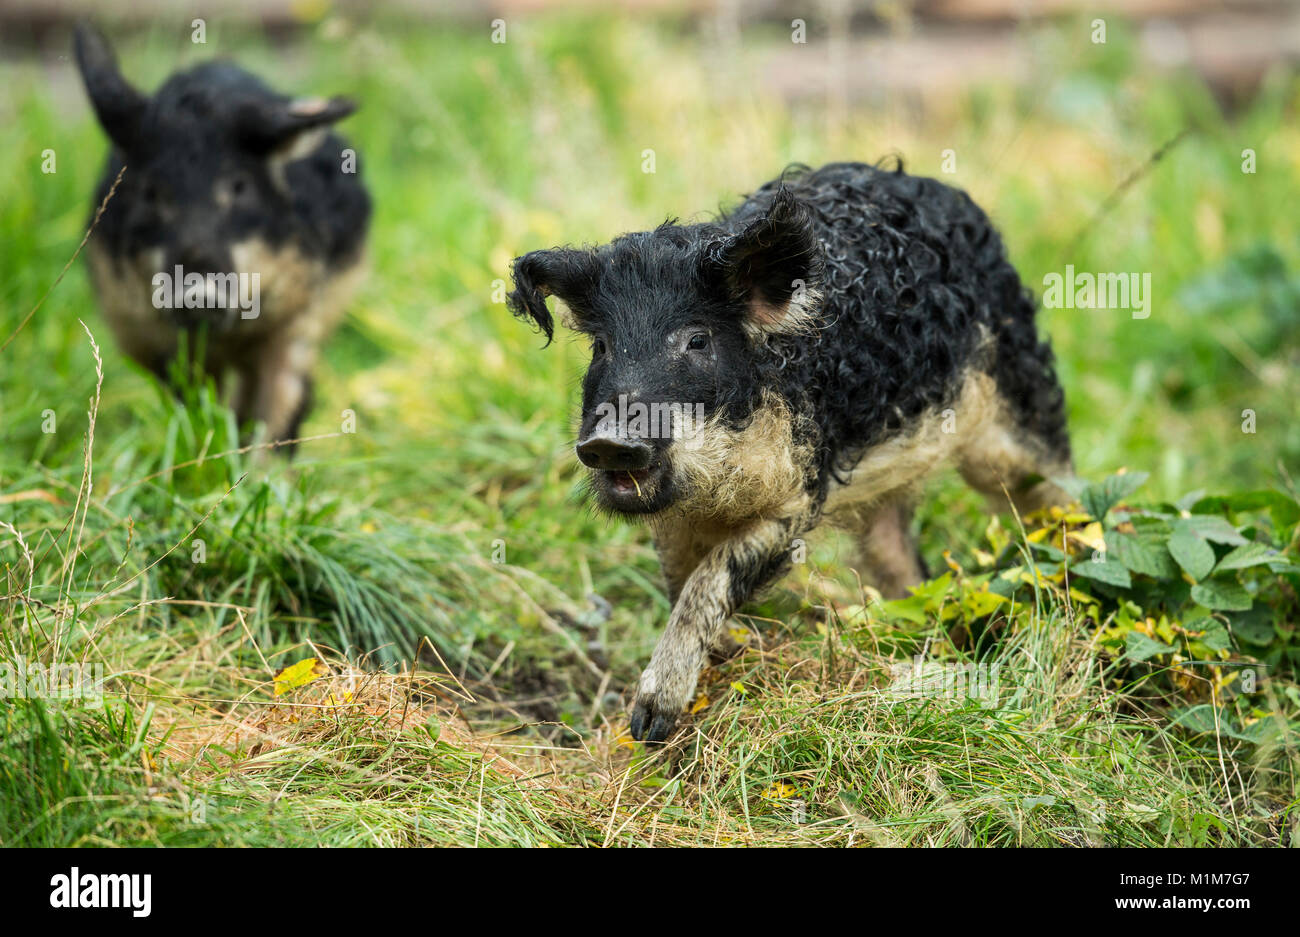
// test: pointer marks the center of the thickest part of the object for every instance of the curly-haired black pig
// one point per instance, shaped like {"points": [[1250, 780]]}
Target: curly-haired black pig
{"points": [[812, 355], [237, 230]]}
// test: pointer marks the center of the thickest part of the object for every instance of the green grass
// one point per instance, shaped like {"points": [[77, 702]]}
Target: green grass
{"points": [[484, 700]]}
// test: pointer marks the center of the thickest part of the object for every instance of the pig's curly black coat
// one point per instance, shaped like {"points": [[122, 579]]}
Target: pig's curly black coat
{"points": [[912, 277], [918, 269], [190, 125]]}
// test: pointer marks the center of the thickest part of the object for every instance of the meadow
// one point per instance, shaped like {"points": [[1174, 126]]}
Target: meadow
{"points": [[428, 552]]}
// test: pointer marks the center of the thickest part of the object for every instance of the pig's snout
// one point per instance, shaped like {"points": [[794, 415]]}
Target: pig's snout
{"points": [[614, 453], [201, 258]]}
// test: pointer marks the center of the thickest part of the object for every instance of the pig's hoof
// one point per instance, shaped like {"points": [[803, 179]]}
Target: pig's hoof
{"points": [[651, 722]]}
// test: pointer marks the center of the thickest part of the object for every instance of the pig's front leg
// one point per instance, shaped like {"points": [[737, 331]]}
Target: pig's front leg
{"points": [[726, 577], [276, 386]]}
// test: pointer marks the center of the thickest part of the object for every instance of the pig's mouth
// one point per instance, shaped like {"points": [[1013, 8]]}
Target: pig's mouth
{"points": [[628, 483], [638, 491]]}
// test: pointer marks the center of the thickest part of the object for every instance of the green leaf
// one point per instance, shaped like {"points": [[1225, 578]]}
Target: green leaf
{"points": [[1106, 570], [1216, 637], [1072, 486], [1247, 555], [1222, 594], [909, 609], [1283, 508], [1140, 647], [1193, 554], [1201, 719], [1212, 527], [1198, 718], [1047, 550], [1098, 499], [934, 588], [1254, 627], [1142, 553]]}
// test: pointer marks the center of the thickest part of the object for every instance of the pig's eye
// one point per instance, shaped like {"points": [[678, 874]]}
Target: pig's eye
{"points": [[698, 342], [599, 346], [236, 190], [241, 187]]}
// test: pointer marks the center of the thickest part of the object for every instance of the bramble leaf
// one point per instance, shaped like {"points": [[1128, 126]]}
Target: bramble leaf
{"points": [[1109, 571], [1142, 553], [1226, 595], [1213, 527], [1247, 555], [1193, 554], [1140, 647]]}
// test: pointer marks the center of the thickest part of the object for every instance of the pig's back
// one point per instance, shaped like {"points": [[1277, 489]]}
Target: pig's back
{"points": [[914, 275]]}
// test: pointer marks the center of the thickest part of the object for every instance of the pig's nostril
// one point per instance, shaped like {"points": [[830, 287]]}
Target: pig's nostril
{"points": [[614, 455]]}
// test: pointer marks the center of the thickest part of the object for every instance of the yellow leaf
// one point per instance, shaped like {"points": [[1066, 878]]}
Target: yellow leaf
{"points": [[739, 687], [1023, 574], [739, 635], [779, 790], [701, 703], [1164, 630], [980, 604], [995, 535], [299, 674], [1090, 537]]}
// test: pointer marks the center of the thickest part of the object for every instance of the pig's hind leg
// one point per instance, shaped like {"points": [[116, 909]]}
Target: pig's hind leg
{"points": [[888, 552], [1017, 440], [1019, 445]]}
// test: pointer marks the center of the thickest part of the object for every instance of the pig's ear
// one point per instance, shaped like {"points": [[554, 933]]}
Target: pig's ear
{"points": [[119, 107], [285, 130], [566, 272], [773, 267]]}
